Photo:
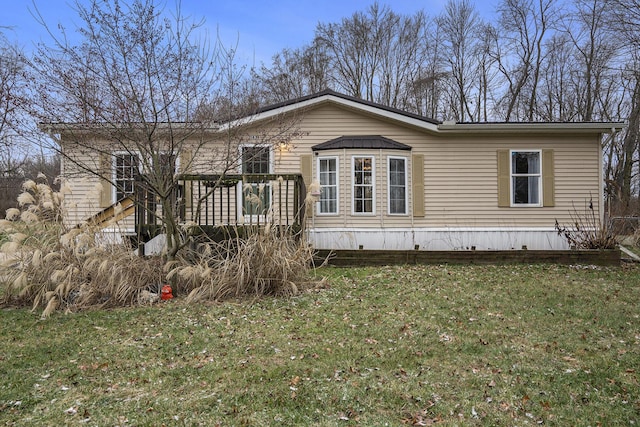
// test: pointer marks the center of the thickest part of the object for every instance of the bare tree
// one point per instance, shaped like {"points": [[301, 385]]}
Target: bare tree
{"points": [[294, 73], [13, 84], [524, 25], [625, 26], [487, 72], [595, 56], [459, 24], [377, 55], [430, 85], [140, 89]]}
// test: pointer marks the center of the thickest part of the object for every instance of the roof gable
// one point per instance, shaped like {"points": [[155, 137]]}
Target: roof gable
{"points": [[361, 106], [425, 124], [377, 142], [346, 98]]}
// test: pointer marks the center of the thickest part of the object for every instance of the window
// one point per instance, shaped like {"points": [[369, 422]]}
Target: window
{"points": [[363, 185], [328, 178], [256, 159], [526, 178], [397, 171], [256, 197], [126, 170]]}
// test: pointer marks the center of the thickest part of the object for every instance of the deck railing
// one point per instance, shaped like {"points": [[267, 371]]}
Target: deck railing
{"points": [[227, 200]]}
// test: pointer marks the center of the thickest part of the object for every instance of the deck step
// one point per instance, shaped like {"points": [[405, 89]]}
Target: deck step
{"points": [[114, 213]]}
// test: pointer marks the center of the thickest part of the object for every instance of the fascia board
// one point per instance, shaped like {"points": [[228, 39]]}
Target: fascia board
{"points": [[533, 128]]}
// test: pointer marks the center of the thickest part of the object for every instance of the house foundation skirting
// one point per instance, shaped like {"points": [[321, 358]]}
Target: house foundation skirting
{"points": [[437, 239]]}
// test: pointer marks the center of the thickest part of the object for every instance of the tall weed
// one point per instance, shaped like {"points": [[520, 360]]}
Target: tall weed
{"points": [[51, 266], [586, 231], [55, 267], [263, 262]]}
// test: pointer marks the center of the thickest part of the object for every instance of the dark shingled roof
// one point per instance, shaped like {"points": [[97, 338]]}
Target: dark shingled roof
{"points": [[361, 141]]}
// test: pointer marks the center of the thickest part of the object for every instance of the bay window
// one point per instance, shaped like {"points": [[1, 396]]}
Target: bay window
{"points": [[363, 195], [328, 178]]}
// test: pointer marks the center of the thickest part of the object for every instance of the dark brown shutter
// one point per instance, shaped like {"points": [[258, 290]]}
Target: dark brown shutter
{"points": [[548, 179], [417, 184], [504, 179]]}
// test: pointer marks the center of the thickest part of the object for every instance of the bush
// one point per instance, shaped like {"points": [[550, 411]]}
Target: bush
{"points": [[50, 266], [586, 232], [261, 263]]}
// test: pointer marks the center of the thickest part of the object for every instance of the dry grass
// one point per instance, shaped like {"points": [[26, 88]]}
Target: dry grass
{"points": [[52, 267], [262, 263]]}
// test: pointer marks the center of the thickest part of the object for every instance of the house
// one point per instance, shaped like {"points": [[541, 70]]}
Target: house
{"points": [[388, 179]]}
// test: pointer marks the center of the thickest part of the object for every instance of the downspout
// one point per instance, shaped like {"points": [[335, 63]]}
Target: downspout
{"points": [[604, 216], [343, 194], [382, 202], [411, 199]]}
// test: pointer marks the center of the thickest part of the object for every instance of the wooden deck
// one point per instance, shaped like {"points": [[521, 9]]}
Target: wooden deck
{"points": [[223, 204]]}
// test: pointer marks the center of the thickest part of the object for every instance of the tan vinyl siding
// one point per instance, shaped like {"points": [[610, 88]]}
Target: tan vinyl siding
{"points": [[460, 183], [463, 192], [89, 193], [460, 174]]}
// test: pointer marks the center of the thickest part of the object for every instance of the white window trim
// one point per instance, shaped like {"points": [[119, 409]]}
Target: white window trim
{"points": [[337, 159], [250, 145], [373, 185], [406, 182], [511, 174], [114, 156], [240, 185]]}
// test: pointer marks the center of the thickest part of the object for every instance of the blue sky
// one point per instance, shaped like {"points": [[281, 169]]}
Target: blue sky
{"points": [[260, 27]]}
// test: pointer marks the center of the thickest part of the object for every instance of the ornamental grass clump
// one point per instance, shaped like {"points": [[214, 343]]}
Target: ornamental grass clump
{"points": [[262, 262], [51, 266]]}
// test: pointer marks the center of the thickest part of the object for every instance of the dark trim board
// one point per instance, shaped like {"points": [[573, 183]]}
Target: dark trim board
{"points": [[354, 258]]}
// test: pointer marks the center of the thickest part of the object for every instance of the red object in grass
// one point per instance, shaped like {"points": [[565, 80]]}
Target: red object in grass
{"points": [[166, 293]]}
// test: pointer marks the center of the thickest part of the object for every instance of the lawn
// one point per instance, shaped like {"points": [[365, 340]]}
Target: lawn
{"points": [[418, 345]]}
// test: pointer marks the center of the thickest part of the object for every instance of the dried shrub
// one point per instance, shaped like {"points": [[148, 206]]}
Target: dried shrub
{"points": [[586, 232], [50, 266], [53, 267], [264, 262]]}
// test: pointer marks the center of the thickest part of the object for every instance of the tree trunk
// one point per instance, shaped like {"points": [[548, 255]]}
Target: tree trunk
{"points": [[630, 146]]}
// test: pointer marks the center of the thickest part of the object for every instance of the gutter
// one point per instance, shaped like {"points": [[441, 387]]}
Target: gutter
{"points": [[530, 127]]}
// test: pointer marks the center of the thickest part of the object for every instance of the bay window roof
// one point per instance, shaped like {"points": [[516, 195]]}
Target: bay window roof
{"points": [[376, 142]]}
